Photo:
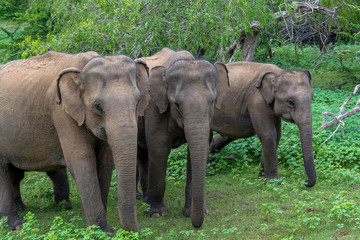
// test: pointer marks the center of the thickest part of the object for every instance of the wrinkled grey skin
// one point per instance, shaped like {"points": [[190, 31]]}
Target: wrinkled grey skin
{"points": [[184, 94], [79, 111], [260, 97], [60, 186]]}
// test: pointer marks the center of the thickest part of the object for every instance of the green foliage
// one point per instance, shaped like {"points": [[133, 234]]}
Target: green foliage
{"points": [[61, 229], [137, 28], [9, 8], [348, 19]]}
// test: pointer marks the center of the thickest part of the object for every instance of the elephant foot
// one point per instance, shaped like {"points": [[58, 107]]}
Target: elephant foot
{"points": [[158, 210], [187, 211], [15, 223]]}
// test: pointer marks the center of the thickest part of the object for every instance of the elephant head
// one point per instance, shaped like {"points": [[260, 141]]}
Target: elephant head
{"points": [[291, 95], [104, 97], [189, 90]]}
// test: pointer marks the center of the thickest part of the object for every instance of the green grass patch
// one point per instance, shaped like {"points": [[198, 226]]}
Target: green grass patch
{"points": [[241, 207]]}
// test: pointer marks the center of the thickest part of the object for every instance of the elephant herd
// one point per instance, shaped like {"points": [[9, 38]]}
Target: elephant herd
{"points": [[87, 113]]}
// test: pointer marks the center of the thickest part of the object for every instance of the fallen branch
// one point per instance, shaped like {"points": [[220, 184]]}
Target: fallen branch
{"points": [[338, 118]]}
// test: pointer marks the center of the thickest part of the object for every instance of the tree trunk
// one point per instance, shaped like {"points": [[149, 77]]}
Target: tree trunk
{"points": [[250, 42]]}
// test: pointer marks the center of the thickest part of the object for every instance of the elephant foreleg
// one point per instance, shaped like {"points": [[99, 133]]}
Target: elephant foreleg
{"points": [[157, 178], [266, 129], [142, 172], [105, 166], [61, 187], [18, 176], [7, 203], [278, 136]]}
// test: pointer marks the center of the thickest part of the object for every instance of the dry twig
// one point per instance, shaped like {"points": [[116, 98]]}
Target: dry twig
{"points": [[338, 118]]}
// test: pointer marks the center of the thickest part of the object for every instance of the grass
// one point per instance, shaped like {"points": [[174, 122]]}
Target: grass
{"points": [[241, 207]]}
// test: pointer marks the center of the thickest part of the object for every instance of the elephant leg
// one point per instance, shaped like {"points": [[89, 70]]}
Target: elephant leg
{"points": [[105, 166], [61, 187], [265, 128], [188, 191], [157, 178], [143, 172], [80, 157], [18, 176], [278, 136], [7, 203], [218, 142]]}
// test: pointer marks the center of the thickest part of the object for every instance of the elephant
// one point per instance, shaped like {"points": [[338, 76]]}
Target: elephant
{"points": [[184, 92], [77, 111], [260, 96]]}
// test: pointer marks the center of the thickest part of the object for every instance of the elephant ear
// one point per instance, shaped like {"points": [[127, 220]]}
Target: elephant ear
{"points": [[308, 74], [142, 80], [222, 84], [266, 86], [158, 88], [69, 94]]}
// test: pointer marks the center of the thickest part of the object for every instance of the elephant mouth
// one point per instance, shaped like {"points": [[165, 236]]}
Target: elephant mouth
{"points": [[288, 120], [102, 134]]}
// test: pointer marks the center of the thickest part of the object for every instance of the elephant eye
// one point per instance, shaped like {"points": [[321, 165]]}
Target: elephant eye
{"points": [[97, 107], [176, 105], [291, 102]]}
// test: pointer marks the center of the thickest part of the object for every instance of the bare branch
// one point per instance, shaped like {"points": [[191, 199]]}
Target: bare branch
{"points": [[338, 118], [304, 8], [308, 7], [350, 6]]}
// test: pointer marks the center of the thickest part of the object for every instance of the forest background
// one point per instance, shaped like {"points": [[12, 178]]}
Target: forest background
{"points": [[321, 36]]}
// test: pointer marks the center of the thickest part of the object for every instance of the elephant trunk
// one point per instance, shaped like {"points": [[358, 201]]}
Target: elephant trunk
{"points": [[123, 142], [305, 129], [197, 135]]}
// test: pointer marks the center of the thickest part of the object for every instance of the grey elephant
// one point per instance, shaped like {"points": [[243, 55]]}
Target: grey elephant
{"points": [[184, 93], [78, 111], [260, 97]]}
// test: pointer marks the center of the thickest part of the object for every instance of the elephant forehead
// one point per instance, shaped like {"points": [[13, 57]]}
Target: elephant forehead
{"points": [[111, 72], [292, 80], [190, 71]]}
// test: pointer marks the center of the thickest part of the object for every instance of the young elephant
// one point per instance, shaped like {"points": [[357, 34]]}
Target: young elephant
{"points": [[183, 96], [78, 111], [261, 95]]}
